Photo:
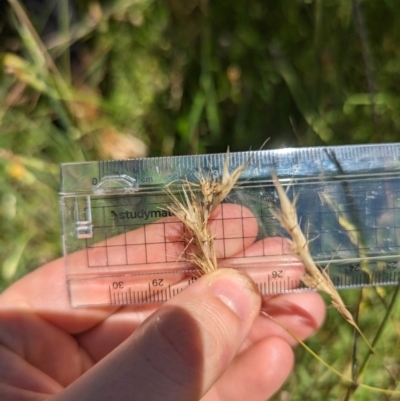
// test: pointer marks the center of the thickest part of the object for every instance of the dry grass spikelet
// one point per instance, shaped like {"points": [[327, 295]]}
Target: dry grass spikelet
{"points": [[313, 277], [195, 209]]}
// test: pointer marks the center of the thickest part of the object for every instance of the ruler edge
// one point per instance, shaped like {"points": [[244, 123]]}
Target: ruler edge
{"points": [[390, 153]]}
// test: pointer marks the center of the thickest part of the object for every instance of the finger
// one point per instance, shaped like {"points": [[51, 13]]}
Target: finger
{"points": [[300, 313], [255, 374], [100, 340], [234, 228], [182, 349], [30, 344], [17, 372], [44, 291], [266, 359]]}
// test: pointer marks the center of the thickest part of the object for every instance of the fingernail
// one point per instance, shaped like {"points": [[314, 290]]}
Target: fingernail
{"points": [[237, 291]]}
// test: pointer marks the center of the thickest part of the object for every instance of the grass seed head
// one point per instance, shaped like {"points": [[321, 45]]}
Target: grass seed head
{"points": [[313, 277], [199, 201]]}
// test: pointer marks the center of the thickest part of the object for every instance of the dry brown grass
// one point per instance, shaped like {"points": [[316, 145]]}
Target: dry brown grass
{"points": [[198, 204], [313, 277]]}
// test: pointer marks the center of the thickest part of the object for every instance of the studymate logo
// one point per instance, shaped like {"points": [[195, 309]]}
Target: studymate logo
{"points": [[139, 214]]}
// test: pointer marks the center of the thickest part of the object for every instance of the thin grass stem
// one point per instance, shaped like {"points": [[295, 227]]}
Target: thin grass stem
{"points": [[346, 379], [380, 330]]}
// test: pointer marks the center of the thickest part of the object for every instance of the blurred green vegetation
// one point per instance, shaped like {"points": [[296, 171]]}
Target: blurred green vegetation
{"points": [[91, 80]]}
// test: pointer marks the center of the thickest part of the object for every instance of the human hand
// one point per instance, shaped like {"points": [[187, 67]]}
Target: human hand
{"points": [[207, 343]]}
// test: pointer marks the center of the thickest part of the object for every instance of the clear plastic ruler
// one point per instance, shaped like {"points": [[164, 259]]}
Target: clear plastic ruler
{"points": [[123, 246]]}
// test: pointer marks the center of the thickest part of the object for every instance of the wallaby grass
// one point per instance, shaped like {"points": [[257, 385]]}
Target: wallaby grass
{"points": [[125, 78]]}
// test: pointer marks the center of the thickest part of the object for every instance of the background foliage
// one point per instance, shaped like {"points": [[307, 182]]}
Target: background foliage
{"points": [[94, 79]]}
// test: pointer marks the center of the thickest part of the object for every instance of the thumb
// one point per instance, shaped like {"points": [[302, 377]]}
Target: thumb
{"points": [[180, 350]]}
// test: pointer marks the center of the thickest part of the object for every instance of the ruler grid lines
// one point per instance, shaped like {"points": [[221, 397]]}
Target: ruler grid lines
{"points": [[113, 239]]}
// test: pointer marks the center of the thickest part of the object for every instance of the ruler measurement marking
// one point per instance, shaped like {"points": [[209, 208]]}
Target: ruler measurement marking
{"points": [[105, 234], [242, 223], [266, 287], [145, 242], [263, 242], [365, 200], [98, 172], [185, 232], [125, 245], [223, 232], [87, 253], [165, 244]]}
